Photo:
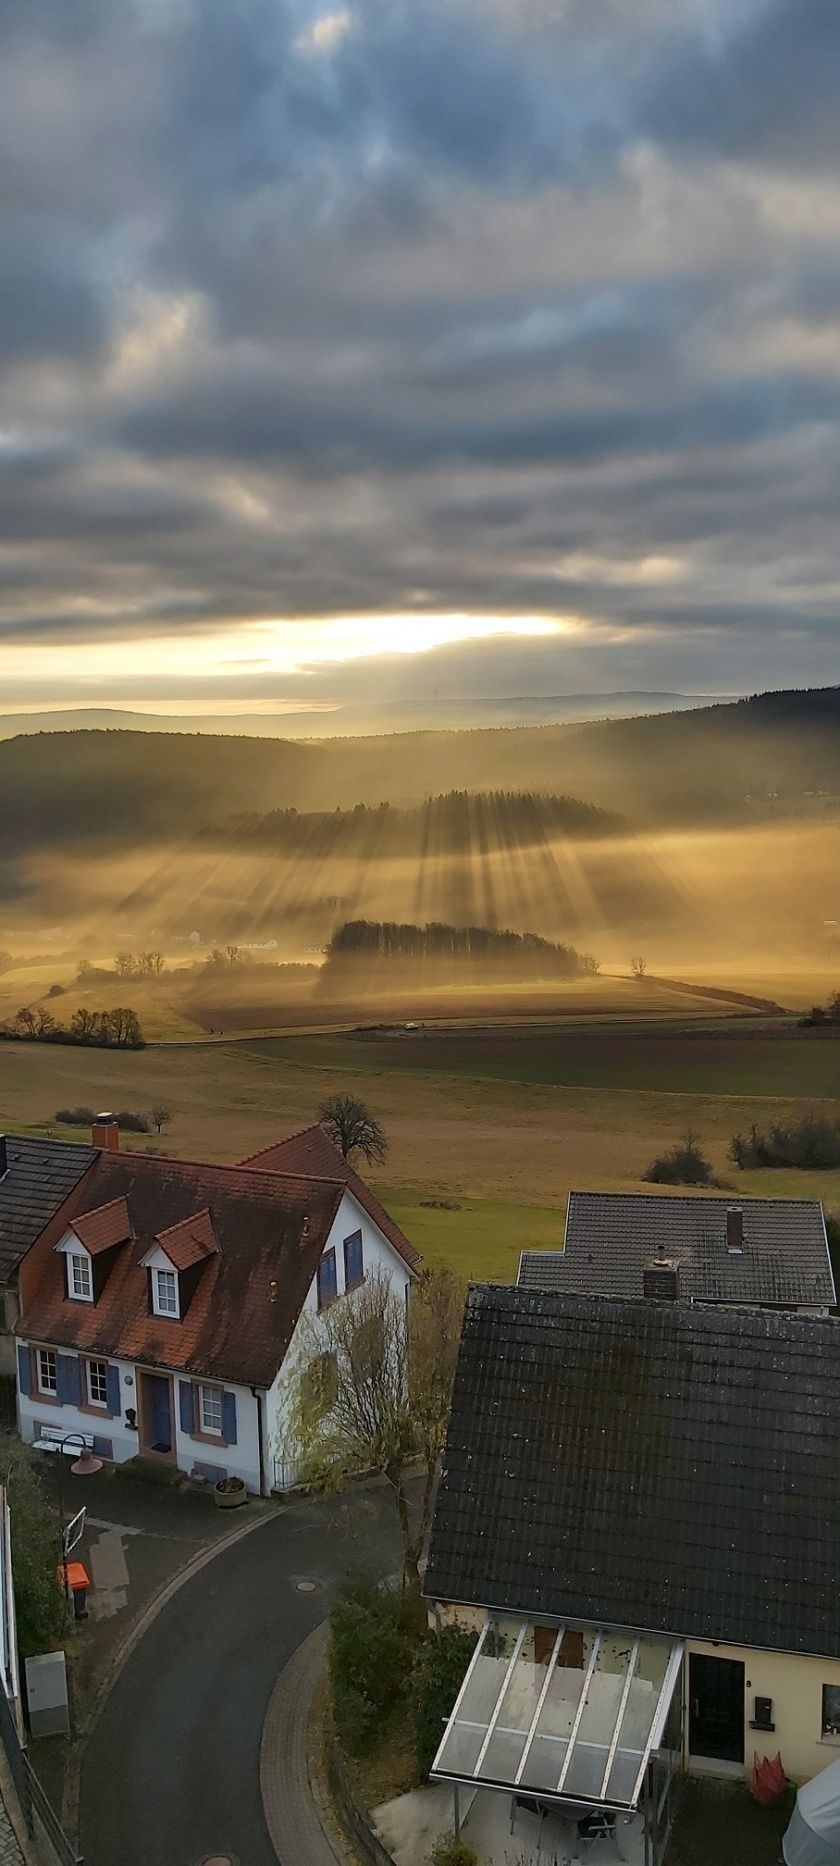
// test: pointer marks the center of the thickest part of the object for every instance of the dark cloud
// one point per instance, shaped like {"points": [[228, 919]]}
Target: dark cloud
{"points": [[460, 305]]}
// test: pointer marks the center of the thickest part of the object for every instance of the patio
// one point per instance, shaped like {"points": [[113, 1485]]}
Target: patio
{"points": [[410, 1826]]}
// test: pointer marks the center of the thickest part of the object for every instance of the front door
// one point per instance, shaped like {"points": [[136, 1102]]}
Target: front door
{"points": [[157, 1415], [716, 1708]]}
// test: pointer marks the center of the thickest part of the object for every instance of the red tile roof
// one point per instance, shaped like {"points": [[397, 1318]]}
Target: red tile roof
{"points": [[311, 1151], [104, 1226], [249, 1293], [190, 1241]]}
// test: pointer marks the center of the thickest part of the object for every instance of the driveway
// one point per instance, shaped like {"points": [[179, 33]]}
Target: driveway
{"points": [[171, 1773]]}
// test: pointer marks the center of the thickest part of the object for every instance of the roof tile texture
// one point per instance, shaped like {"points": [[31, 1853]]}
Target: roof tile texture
{"points": [[312, 1151], [40, 1176], [644, 1464], [610, 1236]]}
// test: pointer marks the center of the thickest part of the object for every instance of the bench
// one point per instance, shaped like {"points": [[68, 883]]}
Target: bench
{"points": [[50, 1437]]}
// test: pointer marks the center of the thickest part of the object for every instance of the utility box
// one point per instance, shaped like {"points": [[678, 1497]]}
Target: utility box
{"points": [[46, 1694]]}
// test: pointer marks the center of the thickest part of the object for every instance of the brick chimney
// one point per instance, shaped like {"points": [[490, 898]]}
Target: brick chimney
{"points": [[661, 1279], [106, 1133], [734, 1229]]}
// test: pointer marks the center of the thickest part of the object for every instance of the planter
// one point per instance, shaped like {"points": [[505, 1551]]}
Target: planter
{"points": [[229, 1493]]}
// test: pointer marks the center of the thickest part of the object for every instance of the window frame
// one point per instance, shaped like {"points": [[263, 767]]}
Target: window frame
{"points": [[44, 1354], [100, 1404], [356, 1238], [327, 1257], [158, 1306], [81, 1259], [830, 1726], [216, 1395]]}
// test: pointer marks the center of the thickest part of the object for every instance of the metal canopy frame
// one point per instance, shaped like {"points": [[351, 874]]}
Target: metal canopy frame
{"points": [[587, 1746]]}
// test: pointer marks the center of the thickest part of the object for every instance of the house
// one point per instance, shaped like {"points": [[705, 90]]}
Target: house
{"points": [[639, 1513], [768, 1253], [162, 1314], [37, 1178]]}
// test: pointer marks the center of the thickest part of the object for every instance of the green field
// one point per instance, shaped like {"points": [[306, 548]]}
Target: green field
{"points": [[504, 1144]]}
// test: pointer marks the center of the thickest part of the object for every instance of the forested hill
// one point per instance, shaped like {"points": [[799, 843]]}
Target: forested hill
{"points": [[129, 787]]}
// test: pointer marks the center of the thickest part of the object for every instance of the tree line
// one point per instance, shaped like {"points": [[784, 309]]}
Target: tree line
{"points": [[407, 943], [117, 1029], [453, 823]]}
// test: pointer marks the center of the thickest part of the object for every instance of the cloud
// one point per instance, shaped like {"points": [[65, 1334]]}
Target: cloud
{"points": [[419, 308]]}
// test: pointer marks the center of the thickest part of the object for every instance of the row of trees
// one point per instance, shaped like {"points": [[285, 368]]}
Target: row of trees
{"points": [[813, 1141], [127, 1120], [371, 941], [457, 822], [117, 1029], [819, 1014]]}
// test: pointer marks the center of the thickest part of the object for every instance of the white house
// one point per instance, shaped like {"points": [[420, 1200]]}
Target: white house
{"points": [[163, 1319]]}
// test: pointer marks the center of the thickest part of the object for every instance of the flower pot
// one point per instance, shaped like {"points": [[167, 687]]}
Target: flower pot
{"points": [[229, 1493]]}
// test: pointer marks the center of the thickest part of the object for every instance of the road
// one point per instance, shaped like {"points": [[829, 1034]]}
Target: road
{"points": [[171, 1773]]}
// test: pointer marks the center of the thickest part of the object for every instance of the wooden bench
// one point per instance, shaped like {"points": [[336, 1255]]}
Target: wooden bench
{"points": [[50, 1437]]}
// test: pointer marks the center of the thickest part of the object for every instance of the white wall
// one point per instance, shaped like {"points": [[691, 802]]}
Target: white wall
{"points": [[378, 1255], [239, 1460]]}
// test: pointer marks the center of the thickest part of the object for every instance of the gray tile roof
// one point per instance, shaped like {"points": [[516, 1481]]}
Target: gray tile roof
{"points": [[610, 1236], [40, 1176], [645, 1464]]}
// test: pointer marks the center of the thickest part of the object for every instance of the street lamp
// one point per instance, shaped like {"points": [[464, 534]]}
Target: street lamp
{"points": [[86, 1465]]}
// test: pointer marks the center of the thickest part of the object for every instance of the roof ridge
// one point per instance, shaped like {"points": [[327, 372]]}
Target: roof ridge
{"points": [[312, 1127], [206, 1166]]}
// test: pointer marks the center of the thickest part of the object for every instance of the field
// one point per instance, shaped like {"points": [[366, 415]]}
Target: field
{"points": [[498, 1123]]}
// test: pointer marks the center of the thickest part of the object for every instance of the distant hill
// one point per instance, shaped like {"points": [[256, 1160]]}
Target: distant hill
{"points": [[374, 717], [724, 762]]}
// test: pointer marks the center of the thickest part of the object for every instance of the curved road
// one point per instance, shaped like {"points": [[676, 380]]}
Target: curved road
{"points": [[171, 1772]]}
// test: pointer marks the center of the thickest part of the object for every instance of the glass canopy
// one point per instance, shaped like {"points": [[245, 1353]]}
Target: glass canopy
{"points": [[567, 1714]]}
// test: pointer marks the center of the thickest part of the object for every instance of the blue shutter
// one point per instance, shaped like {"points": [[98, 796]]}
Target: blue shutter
{"points": [[69, 1379], [327, 1279], [24, 1370], [354, 1263], [229, 1418], [186, 1405], [114, 1402]]}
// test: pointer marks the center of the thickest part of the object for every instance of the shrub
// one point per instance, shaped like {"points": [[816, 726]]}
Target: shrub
{"points": [[435, 1683], [370, 1659], [682, 1165], [452, 1852], [38, 1601], [75, 1117], [56, 991], [132, 1123], [813, 1142]]}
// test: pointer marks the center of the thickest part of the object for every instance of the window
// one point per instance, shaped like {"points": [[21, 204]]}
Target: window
{"points": [[354, 1262], [831, 1711], [166, 1292], [47, 1371], [211, 1409], [97, 1383], [81, 1287], [327, 1281]]}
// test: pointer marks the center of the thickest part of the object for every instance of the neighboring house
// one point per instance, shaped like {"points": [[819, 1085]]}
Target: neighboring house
{"points": [[639, 1508], [767, 1253], [161, 1316], [37, 1179]]}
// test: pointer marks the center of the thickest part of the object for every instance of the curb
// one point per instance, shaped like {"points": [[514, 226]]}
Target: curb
{"points": [[71, 1793]]}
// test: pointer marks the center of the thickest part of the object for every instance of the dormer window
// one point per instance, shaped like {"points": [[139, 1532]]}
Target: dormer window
{"points": [[79, 1279], [165, 1292]]}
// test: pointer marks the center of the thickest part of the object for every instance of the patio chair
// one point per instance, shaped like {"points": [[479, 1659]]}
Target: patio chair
{"points": [[595, 1827]]}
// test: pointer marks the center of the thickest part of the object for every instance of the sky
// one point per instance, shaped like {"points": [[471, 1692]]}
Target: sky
{"points": [[490, 344]]}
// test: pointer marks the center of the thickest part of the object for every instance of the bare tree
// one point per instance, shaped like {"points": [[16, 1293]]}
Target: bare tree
{"points": [[353, 1128], [232, 954], [162, 1117], [124, 965], [638, 967], [370, 1391]]}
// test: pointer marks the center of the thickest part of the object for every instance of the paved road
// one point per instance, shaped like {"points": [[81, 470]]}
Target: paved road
{"points": [[171, 1775]]}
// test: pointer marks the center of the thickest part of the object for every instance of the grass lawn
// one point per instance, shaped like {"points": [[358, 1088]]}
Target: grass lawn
{"points": [[719, 1824], [505, 1150]]}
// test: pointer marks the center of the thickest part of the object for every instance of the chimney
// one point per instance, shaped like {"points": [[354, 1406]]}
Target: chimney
{"points": [[106, 1133], [735, 1231], [4, 1157], [661, 1279]]}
